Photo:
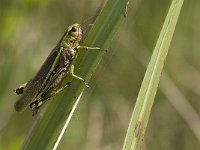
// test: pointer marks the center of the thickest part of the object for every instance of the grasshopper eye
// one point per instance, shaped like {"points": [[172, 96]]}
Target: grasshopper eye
{"points": [[74, 29]]}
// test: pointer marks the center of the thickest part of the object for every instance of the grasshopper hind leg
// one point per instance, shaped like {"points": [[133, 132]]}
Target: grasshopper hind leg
{"points": [[35, 106], [19, 90]]}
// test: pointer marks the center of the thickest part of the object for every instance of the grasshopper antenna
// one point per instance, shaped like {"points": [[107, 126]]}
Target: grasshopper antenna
{"points": [[88, 23]]}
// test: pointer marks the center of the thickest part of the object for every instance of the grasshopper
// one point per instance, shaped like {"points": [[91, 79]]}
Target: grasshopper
{"points": [[58, 66]]}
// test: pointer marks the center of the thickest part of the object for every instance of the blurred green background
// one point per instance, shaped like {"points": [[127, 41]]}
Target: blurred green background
{"points": [[29, 29]]}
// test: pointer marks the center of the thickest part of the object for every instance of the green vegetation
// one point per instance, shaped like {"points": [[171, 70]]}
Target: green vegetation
{"points": [[30, 29], [146, 96]]}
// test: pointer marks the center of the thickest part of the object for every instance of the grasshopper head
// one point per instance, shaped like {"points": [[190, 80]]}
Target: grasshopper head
{"points": [[75, 32]]}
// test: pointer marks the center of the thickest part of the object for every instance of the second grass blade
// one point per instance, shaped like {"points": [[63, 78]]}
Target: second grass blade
{"points": [[141, 113]]}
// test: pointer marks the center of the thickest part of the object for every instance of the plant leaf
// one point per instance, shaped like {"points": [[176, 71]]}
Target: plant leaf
{"points": [[141, 112], [49, 123]]}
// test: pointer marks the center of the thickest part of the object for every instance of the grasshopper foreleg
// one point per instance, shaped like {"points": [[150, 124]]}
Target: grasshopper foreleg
{"points": [[72, 66], [90, 48]]}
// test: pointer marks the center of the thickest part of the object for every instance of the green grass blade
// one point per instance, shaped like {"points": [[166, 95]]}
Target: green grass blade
{"points": [[141, 113], [48, 125]]}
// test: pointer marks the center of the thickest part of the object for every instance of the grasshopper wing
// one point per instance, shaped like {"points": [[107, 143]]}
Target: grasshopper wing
{"points": [[34, 86]]}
